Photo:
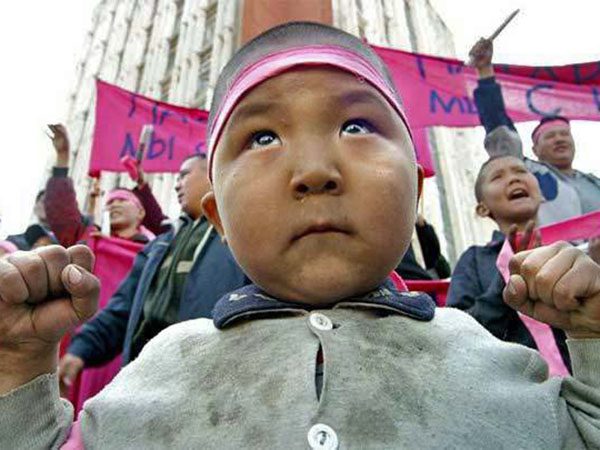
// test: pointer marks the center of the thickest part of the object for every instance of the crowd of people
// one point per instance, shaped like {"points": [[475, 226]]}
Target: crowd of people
{"points": [[275, 313]]}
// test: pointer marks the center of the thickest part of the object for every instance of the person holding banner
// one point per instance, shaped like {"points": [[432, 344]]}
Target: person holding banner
{"points": [[178, 276], [507, 193], [67, 223], [567, 192]]}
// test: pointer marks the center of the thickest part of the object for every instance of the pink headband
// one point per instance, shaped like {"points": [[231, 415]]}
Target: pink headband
{"points": [[8, 246], [547, 126], [124, 194], [277, 63]]}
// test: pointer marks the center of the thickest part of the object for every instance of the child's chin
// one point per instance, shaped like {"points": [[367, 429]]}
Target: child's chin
{"points": [[327, 287]]}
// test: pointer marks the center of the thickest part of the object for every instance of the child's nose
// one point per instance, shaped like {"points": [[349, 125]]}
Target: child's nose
{"points": [[317, 179]]}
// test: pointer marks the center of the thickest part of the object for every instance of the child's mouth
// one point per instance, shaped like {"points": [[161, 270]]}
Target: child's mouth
{"points": [[319, 228], [518, 194]]}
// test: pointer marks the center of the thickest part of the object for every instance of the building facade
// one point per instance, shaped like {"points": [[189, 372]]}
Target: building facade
{"points": [[173, 50]]}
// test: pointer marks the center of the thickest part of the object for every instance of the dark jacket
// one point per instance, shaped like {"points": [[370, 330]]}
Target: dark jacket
{"points": [[476, 288], [409, 268], [213, 274]]}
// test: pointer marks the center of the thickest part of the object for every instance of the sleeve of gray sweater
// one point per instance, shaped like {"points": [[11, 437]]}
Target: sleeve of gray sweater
{"points": [[34, 417], [579, 404]]}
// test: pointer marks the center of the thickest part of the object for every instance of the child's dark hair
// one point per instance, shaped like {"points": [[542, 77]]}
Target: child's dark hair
{"points": [[289, 35]]}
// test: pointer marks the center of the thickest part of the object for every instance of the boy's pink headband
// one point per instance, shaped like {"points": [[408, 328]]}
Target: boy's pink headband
{"points": [[277, 63], [547, 126], [124, 194]]}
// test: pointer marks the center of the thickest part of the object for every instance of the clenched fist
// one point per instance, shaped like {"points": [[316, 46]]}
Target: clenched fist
{"points": [[558, 285], [480, 57], [43, 294]]}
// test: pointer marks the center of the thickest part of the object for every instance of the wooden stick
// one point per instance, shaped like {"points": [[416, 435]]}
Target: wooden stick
{"points": [[495, 34], [145, 135]]}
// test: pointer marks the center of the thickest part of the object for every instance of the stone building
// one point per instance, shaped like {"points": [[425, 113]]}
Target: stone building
{"points": [[172, 50]]}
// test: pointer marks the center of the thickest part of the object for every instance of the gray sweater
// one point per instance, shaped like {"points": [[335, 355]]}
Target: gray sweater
{"points": [[389, 382]]}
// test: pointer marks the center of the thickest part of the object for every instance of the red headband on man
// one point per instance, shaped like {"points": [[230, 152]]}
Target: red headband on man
{"points": [[547, 125], [277, 63], [124, 194]]}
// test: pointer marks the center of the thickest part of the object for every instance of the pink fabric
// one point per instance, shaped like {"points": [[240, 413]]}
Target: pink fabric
{"points": [[146, 232], [8, 246], [584, 227], [120, 116], [439, 91], [74, 440], [547, 126], [126, 195], [437, 287], [398, 282], [541, 332], [114, 259], [277, 63]]}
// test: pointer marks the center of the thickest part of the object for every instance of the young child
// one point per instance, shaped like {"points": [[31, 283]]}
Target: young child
{"points": [[509, 194], [314, 188]]}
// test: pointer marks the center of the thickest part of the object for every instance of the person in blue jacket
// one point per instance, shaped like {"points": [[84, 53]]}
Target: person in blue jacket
{"points": [[178, 276]]}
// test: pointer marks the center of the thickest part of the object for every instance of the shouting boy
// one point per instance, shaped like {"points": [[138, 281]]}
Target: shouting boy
{"points": [[314, 189], [509, 194]]}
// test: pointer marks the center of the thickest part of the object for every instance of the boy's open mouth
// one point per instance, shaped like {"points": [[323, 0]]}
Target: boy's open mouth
{"points": [[517, 194]]}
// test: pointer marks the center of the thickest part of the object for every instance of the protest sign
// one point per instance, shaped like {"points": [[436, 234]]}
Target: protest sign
{"points": [[435, 91], [177, 132]]}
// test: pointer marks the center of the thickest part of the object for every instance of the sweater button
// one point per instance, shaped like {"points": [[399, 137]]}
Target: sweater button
{"points": [[322, 437], [320, 321]]}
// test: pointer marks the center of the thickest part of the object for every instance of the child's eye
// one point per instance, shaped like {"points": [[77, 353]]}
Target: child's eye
{"points": [[357, 126], [262, 139]]}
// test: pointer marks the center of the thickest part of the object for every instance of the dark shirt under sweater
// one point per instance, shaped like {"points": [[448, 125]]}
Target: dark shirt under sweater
{"points": [[161, 305]]}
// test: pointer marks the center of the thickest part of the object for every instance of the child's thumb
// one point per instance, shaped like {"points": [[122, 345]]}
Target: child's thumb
{"points": [[84, 289]]}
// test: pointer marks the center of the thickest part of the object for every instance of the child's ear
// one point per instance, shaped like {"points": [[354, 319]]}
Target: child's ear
{"points": [[482, 210], [420, 180], [211, 212]]}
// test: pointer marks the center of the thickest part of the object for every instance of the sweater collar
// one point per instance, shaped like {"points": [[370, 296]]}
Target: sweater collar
{"points": [[250, 303]]}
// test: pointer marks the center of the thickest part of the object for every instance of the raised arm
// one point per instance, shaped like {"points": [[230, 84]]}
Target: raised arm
{"points": [[60, 202]]}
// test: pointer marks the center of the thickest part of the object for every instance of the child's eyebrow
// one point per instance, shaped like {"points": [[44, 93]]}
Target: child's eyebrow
{"points": [[253, 109], [360, 96]]}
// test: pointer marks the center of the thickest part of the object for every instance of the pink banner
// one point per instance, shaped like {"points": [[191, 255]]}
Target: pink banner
{"points": [[439, 91], [436, 91], [114, 258], [120, 115], [578, 228]]}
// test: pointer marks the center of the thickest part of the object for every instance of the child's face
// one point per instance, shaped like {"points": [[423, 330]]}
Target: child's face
{"points": [[315, 183], [510, 192]]}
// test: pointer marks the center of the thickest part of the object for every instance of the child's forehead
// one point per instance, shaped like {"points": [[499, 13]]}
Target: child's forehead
{"points": [[504, 163], [333, 88]]}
